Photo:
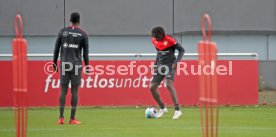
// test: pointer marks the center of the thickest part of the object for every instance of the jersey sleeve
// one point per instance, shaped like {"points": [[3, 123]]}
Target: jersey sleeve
{"points": [[57, 47], [153, 41], [156, 59], [86, 50], [181, 52]]}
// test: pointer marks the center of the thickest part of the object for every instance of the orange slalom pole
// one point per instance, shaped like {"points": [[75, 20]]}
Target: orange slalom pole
{"points": [[19, 45], [208, 94]]}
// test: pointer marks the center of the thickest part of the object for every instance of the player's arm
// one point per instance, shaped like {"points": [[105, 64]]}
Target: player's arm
{"points": [[56, 51], [155, 62], [181, 52], [156, 59], [153, 40], [178, 47], [86, 51]]}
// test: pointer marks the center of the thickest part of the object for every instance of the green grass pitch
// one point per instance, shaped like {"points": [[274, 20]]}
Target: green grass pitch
{"points": [[131, 122]]}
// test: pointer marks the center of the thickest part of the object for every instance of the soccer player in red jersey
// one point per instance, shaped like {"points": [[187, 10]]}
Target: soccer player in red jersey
{"points": [[165, 66]]}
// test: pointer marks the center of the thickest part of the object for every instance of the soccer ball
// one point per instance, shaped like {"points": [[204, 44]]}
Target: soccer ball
{"points": [[151, 112]]}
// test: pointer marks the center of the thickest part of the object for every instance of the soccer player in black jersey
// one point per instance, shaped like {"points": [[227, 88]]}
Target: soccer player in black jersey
{"points": [[166, 64], [71, 41]]}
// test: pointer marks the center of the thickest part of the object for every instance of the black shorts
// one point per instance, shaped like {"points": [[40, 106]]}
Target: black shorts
{"points": [[161, 72], [71, 76]]}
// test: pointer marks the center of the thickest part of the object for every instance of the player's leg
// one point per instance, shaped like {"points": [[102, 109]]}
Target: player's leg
{"points": [[75, 82], [62, 98], [155, 82], [155, 94], [173, 93], [74, 102], [170, 87]]}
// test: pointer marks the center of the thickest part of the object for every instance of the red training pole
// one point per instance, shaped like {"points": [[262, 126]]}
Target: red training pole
{"points": [[19, 46], [208, 93]]}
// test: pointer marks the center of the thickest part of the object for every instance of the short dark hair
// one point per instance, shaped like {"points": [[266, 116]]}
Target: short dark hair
{"points": [[75, 17], [158, 32]]}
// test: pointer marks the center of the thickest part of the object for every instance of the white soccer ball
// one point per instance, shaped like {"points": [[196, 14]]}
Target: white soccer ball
{"points": [[151, 112]]}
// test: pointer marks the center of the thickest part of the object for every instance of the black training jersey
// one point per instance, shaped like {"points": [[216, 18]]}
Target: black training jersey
{"points": [[166, 49], [70, 42]]}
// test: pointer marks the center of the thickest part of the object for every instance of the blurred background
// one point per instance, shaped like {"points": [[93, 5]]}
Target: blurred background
{"points": [[123, 26]]}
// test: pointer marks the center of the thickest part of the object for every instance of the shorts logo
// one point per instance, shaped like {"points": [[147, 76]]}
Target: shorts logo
{"points": [[65, 33], [65, 45]]}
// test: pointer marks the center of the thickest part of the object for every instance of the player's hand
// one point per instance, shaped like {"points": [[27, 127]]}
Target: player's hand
{"points": [[174, 66], [55, 67], [87, 70]]}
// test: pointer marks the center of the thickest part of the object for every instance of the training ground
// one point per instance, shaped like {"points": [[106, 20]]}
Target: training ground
{"points": [[131, 122]]}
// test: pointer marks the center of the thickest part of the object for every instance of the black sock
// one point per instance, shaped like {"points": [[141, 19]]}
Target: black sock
{"points": [[162, 106], [73, 113], [176, 107]]}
